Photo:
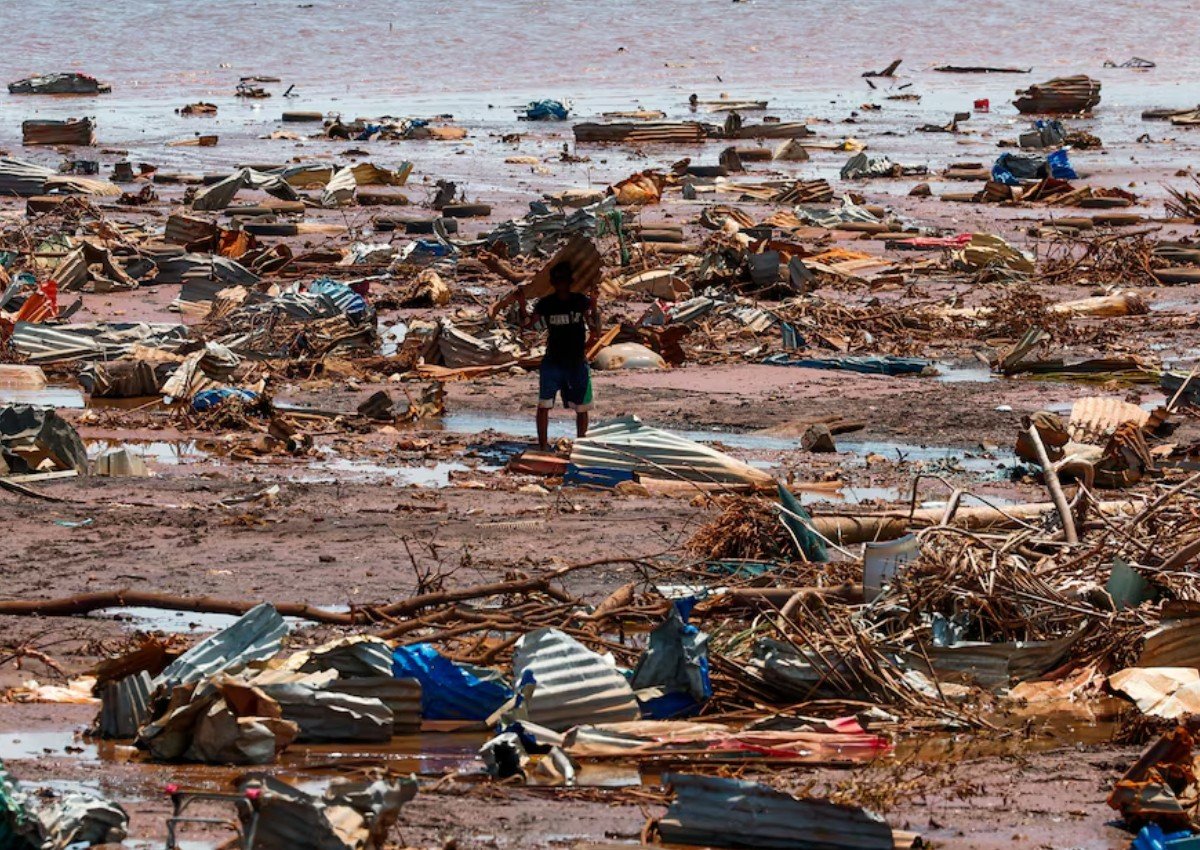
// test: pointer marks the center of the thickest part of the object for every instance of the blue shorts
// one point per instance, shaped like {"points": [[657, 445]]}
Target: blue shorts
{"points": [[572, 381]]}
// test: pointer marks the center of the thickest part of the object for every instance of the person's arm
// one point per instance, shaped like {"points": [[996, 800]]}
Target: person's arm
{"points": [[592, 315], [527, 318]]}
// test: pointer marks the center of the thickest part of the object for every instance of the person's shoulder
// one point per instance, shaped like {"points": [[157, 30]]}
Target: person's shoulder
{"points": [[540, 304], [581, 299]]}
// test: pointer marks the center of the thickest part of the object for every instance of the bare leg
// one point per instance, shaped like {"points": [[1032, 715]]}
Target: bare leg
{"points": [[543, 428], [581, 423]]}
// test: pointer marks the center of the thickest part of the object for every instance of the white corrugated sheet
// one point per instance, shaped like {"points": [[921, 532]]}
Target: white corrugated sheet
{"points": [[256, 635], [626, 444], [574, 685]]}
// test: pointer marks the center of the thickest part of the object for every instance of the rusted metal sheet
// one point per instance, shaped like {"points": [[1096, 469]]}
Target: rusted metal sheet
{"points": [[44, 131], [659, 132], [183, 229], [573, 685], [716, 812], [807, 192], [1175, 643], [781, 130], [1061, 95], [1096, 418]]}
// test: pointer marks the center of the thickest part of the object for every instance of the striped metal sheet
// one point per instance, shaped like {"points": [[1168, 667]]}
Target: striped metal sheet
{"points": [[781, 130], [183, 229], [586, 265], [23, 179], [807, 192], [717, 812], [125, 706], [325, 715], [1175, 643], [352, 657], [256, 635], [402, 696], [340, 189], [627, 445], [1060, 95], [574, 686], [658, 132], [73, 131], [42, 343], [1094, 419]]}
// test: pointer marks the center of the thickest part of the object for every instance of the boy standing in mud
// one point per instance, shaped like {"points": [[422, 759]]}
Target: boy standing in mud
{"points": [[564, 371]]}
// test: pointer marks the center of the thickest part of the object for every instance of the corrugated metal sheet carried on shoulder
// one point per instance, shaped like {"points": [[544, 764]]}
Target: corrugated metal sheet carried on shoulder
{"points": [[627, 445], [573, 684], [717, 812], [256, 635]]}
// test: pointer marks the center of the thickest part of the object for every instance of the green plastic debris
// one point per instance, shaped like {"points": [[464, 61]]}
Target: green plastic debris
{"points": [[798, 522], [12, 816]]}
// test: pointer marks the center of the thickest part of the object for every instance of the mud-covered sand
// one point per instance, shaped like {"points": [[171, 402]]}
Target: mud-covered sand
{"points": [[365, 516]]}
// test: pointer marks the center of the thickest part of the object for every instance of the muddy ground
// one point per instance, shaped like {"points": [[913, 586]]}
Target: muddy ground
{"points": [[371, 517]]}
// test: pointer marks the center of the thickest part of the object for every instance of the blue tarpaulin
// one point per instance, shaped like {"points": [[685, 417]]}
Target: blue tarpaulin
{"points": [[546, 110], [675, 661], [1011, 168], [1152, 837], [208, 399], [450, 691]]}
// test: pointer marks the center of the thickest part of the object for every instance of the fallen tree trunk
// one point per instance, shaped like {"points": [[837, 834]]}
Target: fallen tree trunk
{"points": [[85, 603], [847, 530]]}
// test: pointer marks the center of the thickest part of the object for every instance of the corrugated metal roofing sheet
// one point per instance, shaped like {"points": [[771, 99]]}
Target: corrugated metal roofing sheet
{"points": [[574, 685], [340, 189], [1095, 419], [402, 696], [22, 178], [329, 715], [626, 444], [125, 706], [352, 657], [42, 343], [709, 810], [256, 635], [657, 132]]}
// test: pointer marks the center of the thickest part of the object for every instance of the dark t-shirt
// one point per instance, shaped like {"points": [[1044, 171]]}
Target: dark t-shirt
{"points": [[566, 334]]}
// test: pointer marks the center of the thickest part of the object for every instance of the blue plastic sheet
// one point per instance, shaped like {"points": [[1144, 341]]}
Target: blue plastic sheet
{"points": [[1011, 168], [595, 477], [1060, 166], [450, 691], [208, 399], [676, 660], [546, 110], [1152, 837]]}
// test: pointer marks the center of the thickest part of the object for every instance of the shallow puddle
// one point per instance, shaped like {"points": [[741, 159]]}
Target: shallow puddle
{"points": [[976, 373], [156, 619], [51, 396]]}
